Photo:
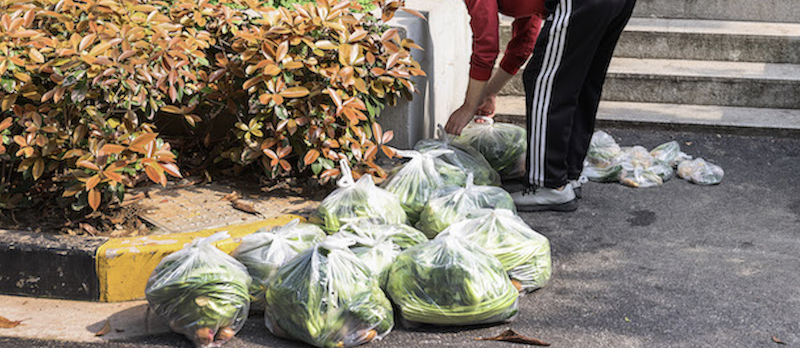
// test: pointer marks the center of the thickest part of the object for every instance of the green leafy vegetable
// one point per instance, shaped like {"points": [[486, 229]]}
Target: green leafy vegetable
{"points": [[201, 292], [265, 251], [451, 281], [504, 145], [602, 163], [327, 297], [464, 156]]}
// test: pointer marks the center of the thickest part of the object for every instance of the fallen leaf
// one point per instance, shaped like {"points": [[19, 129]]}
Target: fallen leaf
{"points": [[511, 336], [8, 324], [245, 207], [231, 196], [776, 340], [106, 329], [88, 228]]}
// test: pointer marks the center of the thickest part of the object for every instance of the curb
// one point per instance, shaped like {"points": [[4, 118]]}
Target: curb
{"points": [[97, 268]]}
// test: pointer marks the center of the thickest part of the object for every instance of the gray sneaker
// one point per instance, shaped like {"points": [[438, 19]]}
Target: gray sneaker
{"points": [[541, 198], [576, 185]]}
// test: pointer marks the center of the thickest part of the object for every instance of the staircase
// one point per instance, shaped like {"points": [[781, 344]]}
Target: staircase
{"points": [[698, 63]]}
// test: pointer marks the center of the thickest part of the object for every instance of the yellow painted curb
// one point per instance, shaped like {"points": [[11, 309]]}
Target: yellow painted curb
{"points": [[125, 264]]}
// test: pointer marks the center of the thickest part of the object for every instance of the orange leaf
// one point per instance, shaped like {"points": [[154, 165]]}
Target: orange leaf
{"points": [[156, 175], [94, 199], [114, 176], [285, 165], [143, 139], [283, 48], [6, 123], [387, 137], [172, 109], [111, 149], [295, 92], [88, 165], [413, 12], [311, 157], [377, 131], [8, 324], [92, 182], [172, 169], [284, 151], [38, 169]]}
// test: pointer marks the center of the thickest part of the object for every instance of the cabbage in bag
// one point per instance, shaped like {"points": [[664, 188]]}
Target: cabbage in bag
{"points": [[327, 297], [524, 253], [418, 179], [451, 281], [201, 292], [377, 245], [354, 200], [701, 172], [464, 156], [265, 251], [502, 144], [452, 204]]}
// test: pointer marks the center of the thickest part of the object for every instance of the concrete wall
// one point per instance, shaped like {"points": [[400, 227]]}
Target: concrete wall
{"points": [[447, 40]]}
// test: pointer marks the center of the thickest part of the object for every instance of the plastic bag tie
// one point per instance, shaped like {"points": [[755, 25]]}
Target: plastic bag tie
{"points": [[347, 174]]}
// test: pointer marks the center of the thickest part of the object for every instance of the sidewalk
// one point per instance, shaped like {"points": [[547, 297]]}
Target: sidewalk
{"points": [[676, 266]]}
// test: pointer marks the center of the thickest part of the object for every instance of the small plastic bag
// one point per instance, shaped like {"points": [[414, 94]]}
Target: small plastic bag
{"points": [[327, 297], [524, 253], [201, 292], [418, 179], [700, 172], [451, 204], [354, 200], [669, 153], [464, 156], [602, 163], [636, 163], [265, 251], [377, 245], [504, 145], [662, 169], [451, 281]]}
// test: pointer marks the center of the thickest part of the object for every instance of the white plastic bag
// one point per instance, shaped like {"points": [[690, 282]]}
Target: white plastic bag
{"points": [[464, 156], [503, 144], [451, 204], [636, 168], [201, 292], [602, 163], [327, 297], [524, 253], [265, 251], [354, 200], [669, 153], [701, 172]]}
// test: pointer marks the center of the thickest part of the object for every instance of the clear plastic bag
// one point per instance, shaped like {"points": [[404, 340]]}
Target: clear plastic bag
{"points": [[464, 156], [602, 163], [354, 200], [669, 153], [418, 179], [327, 297], [503, 144], [451, 204], [451, 281], [377, 245], [700, 172], [524, 253], [201, 292], [265, 251], [636, 163]]}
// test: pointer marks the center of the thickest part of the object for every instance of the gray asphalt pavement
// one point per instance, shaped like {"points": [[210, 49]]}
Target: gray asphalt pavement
{"points": [[676, 266]]}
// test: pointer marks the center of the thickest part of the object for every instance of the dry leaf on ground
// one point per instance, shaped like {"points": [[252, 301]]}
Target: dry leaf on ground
{"points": [[8, 324], [231, 196], [776, 340], [511, 336], [106, 329], [245, 207]]}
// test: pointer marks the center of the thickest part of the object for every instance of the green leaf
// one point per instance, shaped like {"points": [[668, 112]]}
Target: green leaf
{"points": [[316, 168]]}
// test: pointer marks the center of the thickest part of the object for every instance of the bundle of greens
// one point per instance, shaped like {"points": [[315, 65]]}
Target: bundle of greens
{"points": [[525, 254], [454, 203], [502, 144], [354, 200], [377, 245], [602, 163], [463, 156], [201, 292], [265, 251], [418, 179], [700, 172], [327, 297], [451, 281]]}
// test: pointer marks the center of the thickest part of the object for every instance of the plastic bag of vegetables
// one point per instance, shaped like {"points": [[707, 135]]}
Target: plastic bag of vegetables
{"points": [[701, 172], [327, 297], [377, 245], [418, 179], [452, 204], [503, 144], [636, 168], [357, 199], [464, 156], [201, 292], [524, 253], [602, 163], [669, 153], [265, 251], [451, 281]]}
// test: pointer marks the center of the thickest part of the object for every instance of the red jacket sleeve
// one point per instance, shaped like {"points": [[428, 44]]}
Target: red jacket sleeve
{"points": [[485, 37], [524, 34]]}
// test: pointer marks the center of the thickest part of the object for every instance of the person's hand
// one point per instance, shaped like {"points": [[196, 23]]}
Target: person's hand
{"points": [[459, 119], [487, 107]]}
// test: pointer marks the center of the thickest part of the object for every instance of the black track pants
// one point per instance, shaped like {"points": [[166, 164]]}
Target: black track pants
{"points": [[563, 83]]}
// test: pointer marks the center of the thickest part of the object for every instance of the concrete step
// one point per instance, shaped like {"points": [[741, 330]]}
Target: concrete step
{"points": [[512, 109], [703, 40], [736, 10], [758, 85]]}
